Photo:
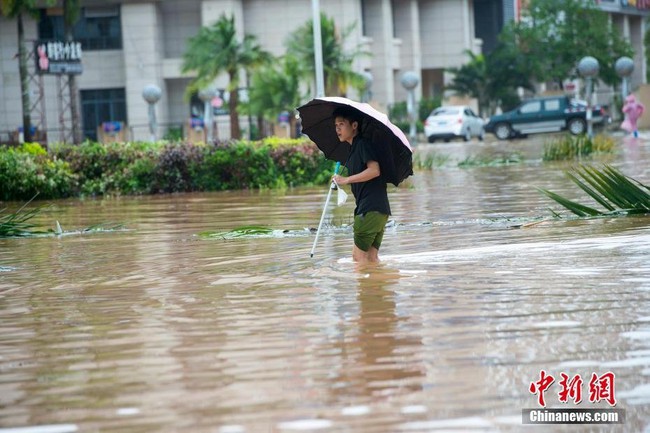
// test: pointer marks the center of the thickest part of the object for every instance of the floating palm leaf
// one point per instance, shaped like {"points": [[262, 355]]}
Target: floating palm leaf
{"points": [[14, 224], [616, 192]]}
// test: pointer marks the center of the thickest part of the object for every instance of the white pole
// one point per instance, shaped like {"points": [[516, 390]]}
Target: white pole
{"points": [[318, 49], [322, 218], [327, 201]]}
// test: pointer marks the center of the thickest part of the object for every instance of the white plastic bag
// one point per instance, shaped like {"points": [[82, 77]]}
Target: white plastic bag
{"points": [[342, 197]]}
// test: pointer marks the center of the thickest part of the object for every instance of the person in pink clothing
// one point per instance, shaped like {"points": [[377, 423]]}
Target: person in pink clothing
{"points": [[633, 110]]}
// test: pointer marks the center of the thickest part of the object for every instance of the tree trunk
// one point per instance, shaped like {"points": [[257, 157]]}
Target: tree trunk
{"points": [[235, 132], [261, 133], [24, 81]]}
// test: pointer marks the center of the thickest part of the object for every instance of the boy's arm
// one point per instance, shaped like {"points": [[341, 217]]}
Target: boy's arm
{"points": [[372, 171]]}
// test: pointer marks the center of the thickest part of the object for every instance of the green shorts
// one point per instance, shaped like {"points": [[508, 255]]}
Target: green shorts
{"points": [[369, 230]]}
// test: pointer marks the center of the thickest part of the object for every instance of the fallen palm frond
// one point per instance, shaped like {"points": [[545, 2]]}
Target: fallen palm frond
{"points": [[16, 224], [614, 191]]}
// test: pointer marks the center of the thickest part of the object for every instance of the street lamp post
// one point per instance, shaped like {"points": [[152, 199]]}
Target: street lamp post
{"points": [[367, 88], [624, 67], [152, 94], [207, 95], [588, 68], [410, 80]]}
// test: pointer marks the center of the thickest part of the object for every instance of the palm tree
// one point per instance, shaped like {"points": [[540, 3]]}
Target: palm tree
{"points": [[276, 88], [337, 63], [215, 50], [17, 9]]}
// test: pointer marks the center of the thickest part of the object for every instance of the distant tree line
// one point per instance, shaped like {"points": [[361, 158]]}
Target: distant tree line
{"points": [[545, 46]]}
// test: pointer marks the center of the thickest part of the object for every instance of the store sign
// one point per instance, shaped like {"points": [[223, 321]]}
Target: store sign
{"points": [[58, 57]]}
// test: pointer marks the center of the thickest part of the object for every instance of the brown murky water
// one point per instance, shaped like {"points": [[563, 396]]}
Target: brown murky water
{"points": [[155, 329]]}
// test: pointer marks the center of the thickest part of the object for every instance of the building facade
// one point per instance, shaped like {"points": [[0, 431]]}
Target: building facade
{"points": [[130, 44]]}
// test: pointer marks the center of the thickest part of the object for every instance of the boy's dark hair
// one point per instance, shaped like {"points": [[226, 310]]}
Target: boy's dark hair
{"points": [[349, 114]]}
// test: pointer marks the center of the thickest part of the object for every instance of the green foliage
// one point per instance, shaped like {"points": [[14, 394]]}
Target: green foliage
{"points": [[24, 174], [16, 224], [617, 193], [553, 35], [245, 231], [430, 160], [398, 115], [426, 106], [276, 88], [490, 161], [32, 149], [569, 147], [217, 49], [174, 133], [338, 72], [492, 80], [143, 168], [13, 8]]}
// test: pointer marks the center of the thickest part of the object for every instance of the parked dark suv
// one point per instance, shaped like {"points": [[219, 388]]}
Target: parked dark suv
{"points": [[549, 114]]}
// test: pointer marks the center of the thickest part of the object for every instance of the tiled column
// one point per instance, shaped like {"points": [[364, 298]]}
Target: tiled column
{"points": [[407, 28], [143, 58]]}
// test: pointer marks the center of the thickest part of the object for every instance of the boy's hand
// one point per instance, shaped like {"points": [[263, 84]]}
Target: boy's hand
{"points": [[340, 180]]}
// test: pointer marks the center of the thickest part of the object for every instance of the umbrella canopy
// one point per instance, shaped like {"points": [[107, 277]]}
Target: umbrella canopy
{"points": [[395, 151]]}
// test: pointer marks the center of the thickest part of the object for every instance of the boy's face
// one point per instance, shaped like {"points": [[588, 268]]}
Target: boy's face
{"points": [[345, 130]]}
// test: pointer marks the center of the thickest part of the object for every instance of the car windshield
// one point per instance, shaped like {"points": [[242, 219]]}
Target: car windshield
{"points": [[446, 111]]}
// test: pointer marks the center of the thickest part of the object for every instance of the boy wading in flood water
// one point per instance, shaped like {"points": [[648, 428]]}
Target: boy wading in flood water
{"points": [[368, 186]]}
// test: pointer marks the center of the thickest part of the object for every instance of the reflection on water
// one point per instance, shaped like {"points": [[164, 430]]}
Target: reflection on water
{"points": [[158, 329]]}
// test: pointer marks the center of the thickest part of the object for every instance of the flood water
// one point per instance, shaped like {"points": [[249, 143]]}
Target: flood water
{"points": [[157, 329]]}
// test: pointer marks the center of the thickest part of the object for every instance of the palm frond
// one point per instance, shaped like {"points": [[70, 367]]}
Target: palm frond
{"points": [[616, 192], [576, 208]]}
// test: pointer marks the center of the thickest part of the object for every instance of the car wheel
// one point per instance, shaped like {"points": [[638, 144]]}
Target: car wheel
{"points": [[481, 136], [468, 135], [502, 131], [431, 139], [577, 126]]}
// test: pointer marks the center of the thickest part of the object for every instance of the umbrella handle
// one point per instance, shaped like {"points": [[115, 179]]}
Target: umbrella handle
{"points": [[322, 217]]}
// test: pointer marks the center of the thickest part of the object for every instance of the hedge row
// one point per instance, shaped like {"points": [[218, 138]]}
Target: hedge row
{"points": [[161, 167]]}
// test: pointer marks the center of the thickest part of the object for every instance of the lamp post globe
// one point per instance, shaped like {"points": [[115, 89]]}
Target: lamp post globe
{"points": [[588, 67], [207, 95], [151, 93], [410, 80], [624, 66]]}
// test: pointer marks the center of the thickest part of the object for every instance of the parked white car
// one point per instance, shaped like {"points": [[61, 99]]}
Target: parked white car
{"points": [[453, 121]]}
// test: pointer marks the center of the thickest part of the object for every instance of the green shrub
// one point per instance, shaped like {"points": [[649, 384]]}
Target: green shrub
{"points": [[572, 147], [142, 167], [426, 106], [25, 172]]}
